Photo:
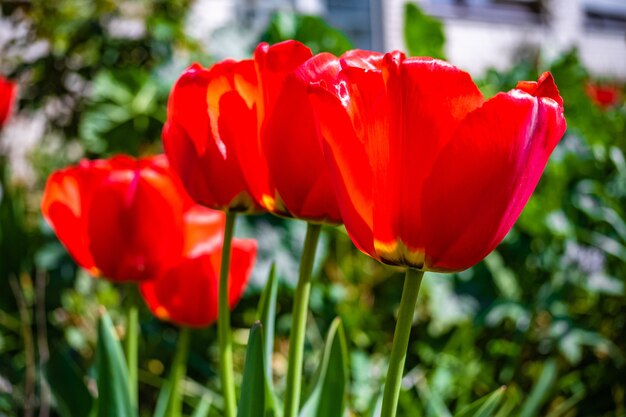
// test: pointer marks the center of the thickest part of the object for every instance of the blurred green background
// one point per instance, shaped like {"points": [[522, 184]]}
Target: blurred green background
{"points": [[544, 315]]}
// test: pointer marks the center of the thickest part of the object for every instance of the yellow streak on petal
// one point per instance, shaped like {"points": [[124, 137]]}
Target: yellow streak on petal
{"points": [[397, 253], [269, 203], [162, 313]]}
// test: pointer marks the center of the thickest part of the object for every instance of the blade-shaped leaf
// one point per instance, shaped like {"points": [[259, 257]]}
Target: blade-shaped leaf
{"points": [[112, 373], [329, 394], [203, 407], [485, 406], [541, 390], [267, 316], [253, 386], [66, 383]]}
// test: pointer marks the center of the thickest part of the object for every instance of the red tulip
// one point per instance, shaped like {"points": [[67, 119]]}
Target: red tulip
{"points": [[7, 96], [247, 129], [427, 173], [604, 96], [187, 293], [120, 218], [198, 138]]}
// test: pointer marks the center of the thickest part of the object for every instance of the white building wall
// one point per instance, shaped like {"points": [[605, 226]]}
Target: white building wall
{"points": [[476, 45]]}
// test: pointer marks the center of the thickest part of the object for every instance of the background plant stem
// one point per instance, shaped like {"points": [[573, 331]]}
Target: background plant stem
{"points": [[179, 369], [298, 322], [223, 324], [412, 282], [131, 344]]}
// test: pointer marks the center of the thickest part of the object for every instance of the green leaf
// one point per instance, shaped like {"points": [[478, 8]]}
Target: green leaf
{"points": [[329, 394], [112, 373], [541, 390], [66, 383], [267, 316], [423, 34], [253, 386], [486, 406], [312, 31], [163, 400], [203, 407]]}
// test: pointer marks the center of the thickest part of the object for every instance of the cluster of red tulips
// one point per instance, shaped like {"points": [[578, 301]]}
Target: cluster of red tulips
{"points": [[422, 170]]}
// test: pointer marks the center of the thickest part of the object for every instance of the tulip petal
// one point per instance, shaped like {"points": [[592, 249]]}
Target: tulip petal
{"points": [[135, 223], [485, 175], [427, 100], [7, 97], [67, 200], [348, 166], [291, 145], [187, 293], [192, 140]]}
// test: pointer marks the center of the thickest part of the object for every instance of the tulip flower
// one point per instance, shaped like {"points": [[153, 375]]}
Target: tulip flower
{"points": [[605, 95], [119, 218], [428, 174], [187, 293], [7, 97], [199, 139], [242, 136]]}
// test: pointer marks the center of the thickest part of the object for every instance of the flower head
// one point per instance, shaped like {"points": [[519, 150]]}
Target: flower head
{"points": [[121, 218], [427, 172], [242, 135], [187, 292]]}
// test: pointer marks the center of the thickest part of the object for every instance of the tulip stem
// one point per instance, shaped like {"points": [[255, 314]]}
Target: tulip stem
{"points": [[298, 322], [223, 323], [411, 289], [132, 339], [177, 373]]}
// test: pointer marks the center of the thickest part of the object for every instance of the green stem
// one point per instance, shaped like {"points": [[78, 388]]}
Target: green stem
{"points": [[410, 291], [298, 322], [177, 373], [223, 323], [132, 338]]}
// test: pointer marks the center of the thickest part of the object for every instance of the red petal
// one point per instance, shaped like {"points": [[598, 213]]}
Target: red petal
{"points": [[428, 99], [544, 87], [348, 165], [7, 97], [187, 294], [291, 145], [135, 223], [485, 175], [273, 64], [204, 160]]}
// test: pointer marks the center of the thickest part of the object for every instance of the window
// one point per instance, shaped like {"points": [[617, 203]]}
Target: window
{"points": [[509, 11], [605, 14]]}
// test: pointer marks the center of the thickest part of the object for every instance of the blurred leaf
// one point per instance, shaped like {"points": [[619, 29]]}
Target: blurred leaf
{"points": [[485, 406], [503, 277], [423, 34], [541, 390], [203, 408], [112, 373], [163, 399], [433, 402], [312, 31], [329, 394], [253, 385], [267, 316], [68, 388]]}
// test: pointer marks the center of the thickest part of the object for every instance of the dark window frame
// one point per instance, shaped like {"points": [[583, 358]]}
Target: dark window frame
{"points": [[496, 12]]}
